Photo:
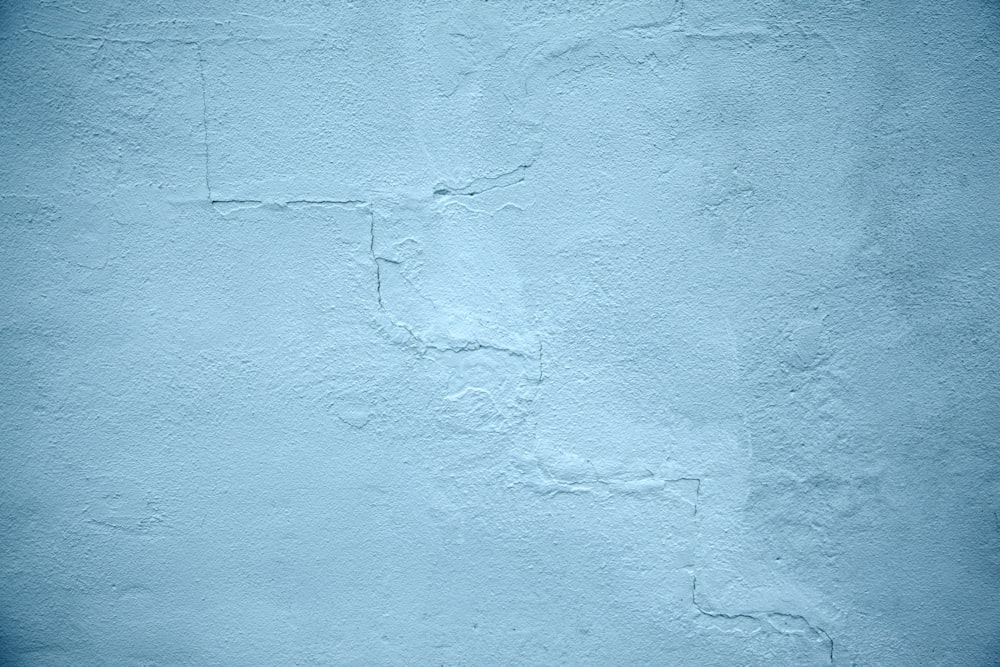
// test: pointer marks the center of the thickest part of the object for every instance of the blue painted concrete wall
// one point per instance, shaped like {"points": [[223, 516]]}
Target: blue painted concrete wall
{"points": [[500, 333]]}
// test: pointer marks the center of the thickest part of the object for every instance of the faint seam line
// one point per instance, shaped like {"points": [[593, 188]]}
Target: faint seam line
{"points": [[579, 485], [101, 41], [142, 526]]}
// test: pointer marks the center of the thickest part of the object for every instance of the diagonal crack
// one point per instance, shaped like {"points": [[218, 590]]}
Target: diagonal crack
{"points": [[483, 184]]}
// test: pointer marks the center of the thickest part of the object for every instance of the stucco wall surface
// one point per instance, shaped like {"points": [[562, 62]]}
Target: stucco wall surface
{"points": [[500, 333]]}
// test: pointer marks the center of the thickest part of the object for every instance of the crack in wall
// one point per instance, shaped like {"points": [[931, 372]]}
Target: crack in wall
{"points": [[765, 617], [551, 484], [484, 184], [422, 343], [375, 261], [227, 206], [204, 117], [324, 202]]}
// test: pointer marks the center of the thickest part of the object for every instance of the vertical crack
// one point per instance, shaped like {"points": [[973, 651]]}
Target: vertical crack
{"points": [[541, 367], [378, 268], [204, 114]]}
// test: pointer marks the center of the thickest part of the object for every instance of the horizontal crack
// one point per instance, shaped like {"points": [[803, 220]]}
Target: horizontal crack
{"points": [[762, 617]]}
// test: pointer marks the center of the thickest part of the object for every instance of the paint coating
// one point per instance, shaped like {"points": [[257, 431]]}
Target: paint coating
{"points": [[500, 333]]}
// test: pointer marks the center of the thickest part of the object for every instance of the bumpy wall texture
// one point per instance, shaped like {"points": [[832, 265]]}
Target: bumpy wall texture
{"points": [[500, 333]]}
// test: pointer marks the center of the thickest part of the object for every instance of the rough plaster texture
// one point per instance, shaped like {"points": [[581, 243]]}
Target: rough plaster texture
{"points": [[496, 333]]}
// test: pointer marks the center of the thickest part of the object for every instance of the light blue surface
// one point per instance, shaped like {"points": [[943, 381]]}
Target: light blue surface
{"points": [[505, 333]]}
